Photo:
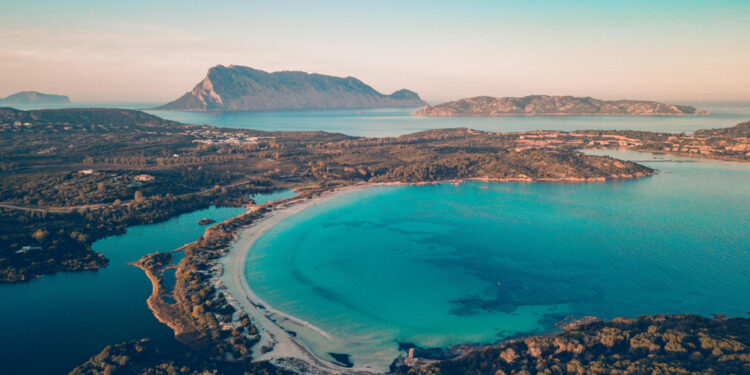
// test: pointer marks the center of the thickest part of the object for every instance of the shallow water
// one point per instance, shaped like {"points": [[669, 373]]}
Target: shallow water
{"points": [[441, 265]]}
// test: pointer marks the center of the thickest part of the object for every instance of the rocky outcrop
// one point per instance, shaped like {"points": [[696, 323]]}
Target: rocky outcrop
{"points": [[240, 88], [545, 105], [33, 97]]}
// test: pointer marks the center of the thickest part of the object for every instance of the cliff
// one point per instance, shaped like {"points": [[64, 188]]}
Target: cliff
{"points": [[545, 105], [33, 97], [240, 88]]}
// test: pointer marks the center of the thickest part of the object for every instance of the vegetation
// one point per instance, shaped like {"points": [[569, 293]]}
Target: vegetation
{"points": [[201, 315], [659, 344], [142, 357], [70, 177]]}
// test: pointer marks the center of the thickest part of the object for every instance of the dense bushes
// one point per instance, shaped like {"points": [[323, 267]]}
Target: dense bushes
{"points": [[659, 344]]}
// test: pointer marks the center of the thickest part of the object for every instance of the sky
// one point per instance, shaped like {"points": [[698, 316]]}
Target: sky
{"points": [[154, 51]]}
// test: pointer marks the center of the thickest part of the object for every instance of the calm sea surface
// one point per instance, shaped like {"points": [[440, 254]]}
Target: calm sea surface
{"points": [[442, 265], [397, 121]]}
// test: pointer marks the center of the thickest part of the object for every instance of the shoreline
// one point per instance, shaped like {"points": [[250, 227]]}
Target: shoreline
{"points": [[279, 344], [285, 349]]}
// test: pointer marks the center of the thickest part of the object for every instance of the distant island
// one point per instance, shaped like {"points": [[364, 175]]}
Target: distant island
{"points": [[546, 105], [240, 88], [33, 97]]}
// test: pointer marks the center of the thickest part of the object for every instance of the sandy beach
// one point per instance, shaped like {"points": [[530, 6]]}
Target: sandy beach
{"points": [[285, 349]]}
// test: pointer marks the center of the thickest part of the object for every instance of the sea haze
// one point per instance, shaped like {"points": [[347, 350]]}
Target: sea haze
{"points": [[388, 122], [441, 265]]}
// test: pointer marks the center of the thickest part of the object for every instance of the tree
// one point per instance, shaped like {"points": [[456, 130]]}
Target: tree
{"points": [[138, 197], [40, 235]]}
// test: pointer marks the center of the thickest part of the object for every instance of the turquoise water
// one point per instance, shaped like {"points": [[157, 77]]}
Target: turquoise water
{"points": [[52, 324], [440, 265], [397, 121]]}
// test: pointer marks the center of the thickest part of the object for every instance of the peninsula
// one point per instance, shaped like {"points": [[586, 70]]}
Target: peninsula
{"points": [[240, 88], [33, 97], [546, 105]]}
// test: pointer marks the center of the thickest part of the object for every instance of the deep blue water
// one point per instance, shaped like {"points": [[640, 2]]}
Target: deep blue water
{"points": [[440, 265], [52, 324]]}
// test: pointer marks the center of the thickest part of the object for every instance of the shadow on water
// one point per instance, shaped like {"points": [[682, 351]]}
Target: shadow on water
{"points": [[68, 317]]}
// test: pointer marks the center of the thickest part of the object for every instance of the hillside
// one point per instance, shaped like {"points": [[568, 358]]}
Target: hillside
{"points": [[33, 97], [545, 105], [240, 88]]}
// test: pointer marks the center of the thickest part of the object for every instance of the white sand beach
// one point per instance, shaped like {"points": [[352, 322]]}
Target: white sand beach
{"points": [[285, 349]]}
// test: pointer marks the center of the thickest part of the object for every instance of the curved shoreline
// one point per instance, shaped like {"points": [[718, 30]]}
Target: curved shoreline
{"points": [[285, 349], [279, 342]]}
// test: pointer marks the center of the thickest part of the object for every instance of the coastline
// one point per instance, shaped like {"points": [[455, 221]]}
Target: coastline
{"points": [[277, 344], [279, 331]]}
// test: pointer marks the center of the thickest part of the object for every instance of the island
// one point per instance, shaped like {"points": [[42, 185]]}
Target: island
{"points": [[34, 97], [547, 105], [241, 88]]}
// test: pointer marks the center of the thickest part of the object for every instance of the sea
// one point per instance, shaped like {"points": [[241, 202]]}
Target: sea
{"points": [[436, 265], [390, 122], [443, 265]]}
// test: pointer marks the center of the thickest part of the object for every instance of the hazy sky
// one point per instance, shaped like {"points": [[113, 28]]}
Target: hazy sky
{"points": [[154, 51]]}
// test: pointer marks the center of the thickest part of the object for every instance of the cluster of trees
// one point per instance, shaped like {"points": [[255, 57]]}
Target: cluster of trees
{"points": [[659, 344], [144, 357], [62, 241], [202, 305]]}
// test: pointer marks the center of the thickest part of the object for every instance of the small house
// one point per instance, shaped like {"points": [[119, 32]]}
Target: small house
{"points": [[143, 178]]}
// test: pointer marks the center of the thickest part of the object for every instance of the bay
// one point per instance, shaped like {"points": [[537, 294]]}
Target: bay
{"points": [[441, 265]]}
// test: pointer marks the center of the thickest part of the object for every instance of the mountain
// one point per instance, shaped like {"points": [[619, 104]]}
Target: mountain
{"points": [[33, 97], [545, 105], [239, 88]]}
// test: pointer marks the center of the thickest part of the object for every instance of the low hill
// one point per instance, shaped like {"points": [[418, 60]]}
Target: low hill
{"points": [[545, 105], [33, 97], [240, 88]]}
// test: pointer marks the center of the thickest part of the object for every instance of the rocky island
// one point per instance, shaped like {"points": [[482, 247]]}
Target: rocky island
{"points": [[240, 88], [546, 105], [33, 97]]}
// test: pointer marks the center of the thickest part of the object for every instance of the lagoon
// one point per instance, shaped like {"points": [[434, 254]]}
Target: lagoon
{"points": [[54, 323]]}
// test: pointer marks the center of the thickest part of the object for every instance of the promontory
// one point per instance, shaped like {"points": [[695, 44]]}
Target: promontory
{"points": [[546, 105], [240, 88]]}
